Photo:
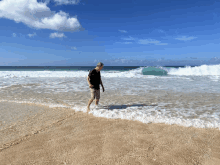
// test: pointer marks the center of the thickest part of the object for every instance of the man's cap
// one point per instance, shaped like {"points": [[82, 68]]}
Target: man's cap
{"points": [[100, 64]]}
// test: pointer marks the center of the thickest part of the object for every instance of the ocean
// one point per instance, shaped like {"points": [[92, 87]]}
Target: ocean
{"points": [[182, 95]]}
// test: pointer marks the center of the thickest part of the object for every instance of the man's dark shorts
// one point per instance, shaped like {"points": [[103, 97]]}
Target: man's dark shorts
{"points": [[95, 93]]}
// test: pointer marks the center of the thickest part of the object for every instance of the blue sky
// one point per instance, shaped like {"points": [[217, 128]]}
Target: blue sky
{"points": [[126, 32]]}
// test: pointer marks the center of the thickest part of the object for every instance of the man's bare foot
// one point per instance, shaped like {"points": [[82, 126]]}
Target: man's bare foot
{"points": [[88, 109]]}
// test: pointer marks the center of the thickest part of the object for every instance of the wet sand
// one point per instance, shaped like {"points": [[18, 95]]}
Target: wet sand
{"points": [[77, 138]]}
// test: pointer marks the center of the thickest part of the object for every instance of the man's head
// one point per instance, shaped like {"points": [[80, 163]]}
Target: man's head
{"points": [[99, 66]]}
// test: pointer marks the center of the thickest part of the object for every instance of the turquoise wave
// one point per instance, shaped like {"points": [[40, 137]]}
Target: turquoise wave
{"points": [[154, 71]]}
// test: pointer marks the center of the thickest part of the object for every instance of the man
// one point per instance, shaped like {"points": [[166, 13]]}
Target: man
{"points": [[94, 79]]}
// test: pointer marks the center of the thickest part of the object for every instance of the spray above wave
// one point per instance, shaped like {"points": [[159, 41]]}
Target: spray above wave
{"points": [[203, 70], [81, 73], [141, 72]]}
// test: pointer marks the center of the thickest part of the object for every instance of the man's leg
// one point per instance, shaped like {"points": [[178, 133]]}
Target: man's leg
{"points": [[97, 94], [96, 101], [90, 102]]}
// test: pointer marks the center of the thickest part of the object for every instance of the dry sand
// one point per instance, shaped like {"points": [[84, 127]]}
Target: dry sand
{"points": [[80, 139]]}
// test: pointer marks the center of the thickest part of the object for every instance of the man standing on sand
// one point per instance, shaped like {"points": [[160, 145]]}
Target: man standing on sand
{"points": [[94, 79]]}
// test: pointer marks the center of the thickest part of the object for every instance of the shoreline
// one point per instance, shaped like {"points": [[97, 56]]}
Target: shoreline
{"points": [[80, 138]]}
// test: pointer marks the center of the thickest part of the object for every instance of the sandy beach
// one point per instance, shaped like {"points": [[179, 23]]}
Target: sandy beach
{"points": [[79, 139], [106, 83]]}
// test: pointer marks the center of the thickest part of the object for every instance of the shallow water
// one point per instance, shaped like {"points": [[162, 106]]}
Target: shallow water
{"points": [[183, 100]]}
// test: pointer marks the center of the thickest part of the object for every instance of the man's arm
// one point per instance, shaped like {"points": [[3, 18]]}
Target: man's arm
{"points": [[88, 80], [101, 82]]}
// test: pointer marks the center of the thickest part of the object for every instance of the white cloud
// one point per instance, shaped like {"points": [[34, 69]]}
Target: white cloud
{"points": [[46, 1], [130, 38], [151, 41], [67, 2], [74, 48], [57, 35], [118, 60], [184, 38], [124, 42], [37, 15], [161, 31], [32, 35], [123, 31], [14, 35]]}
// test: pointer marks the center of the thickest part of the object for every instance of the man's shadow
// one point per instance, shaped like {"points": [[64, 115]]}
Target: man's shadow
{"points": [[110, 107]]}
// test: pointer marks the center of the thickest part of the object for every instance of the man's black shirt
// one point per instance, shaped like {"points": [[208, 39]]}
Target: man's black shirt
{"points": [[95, 76]]}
